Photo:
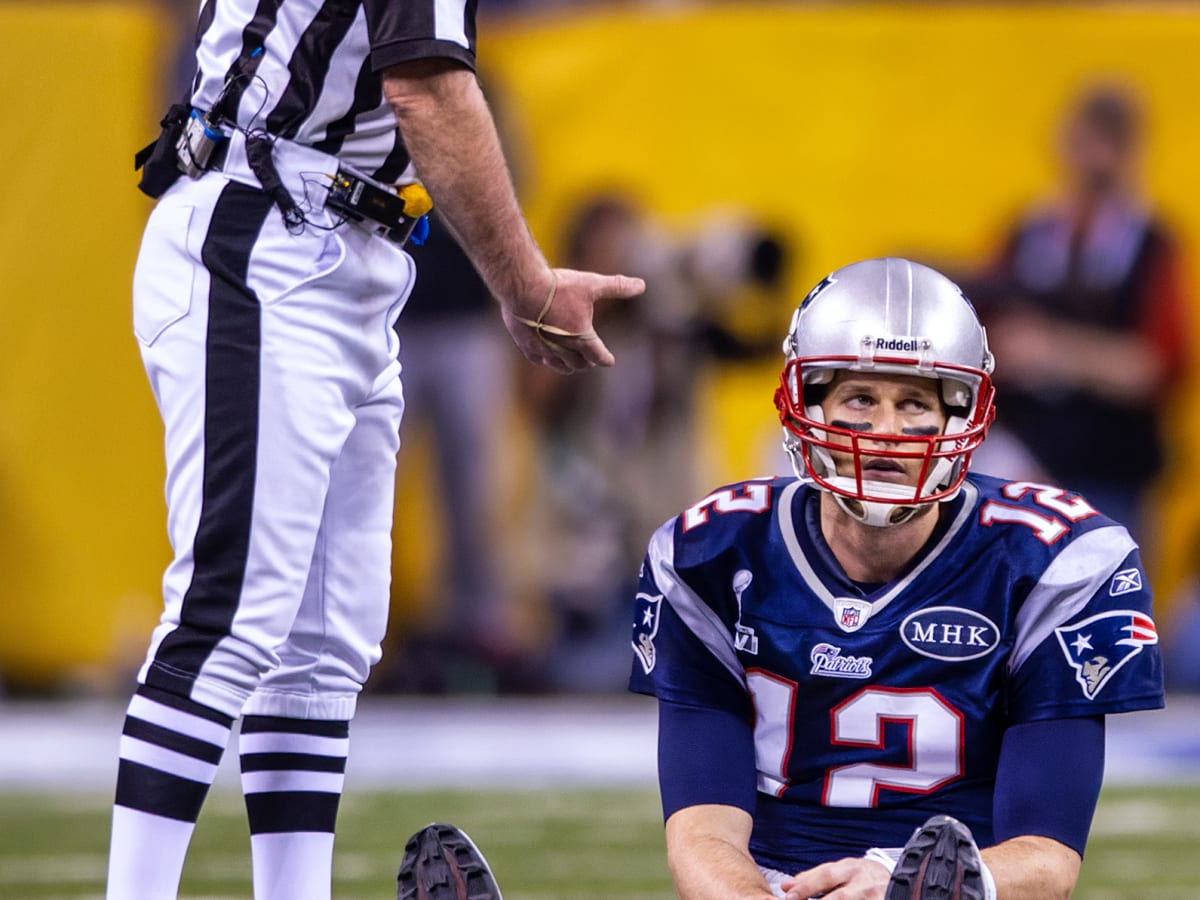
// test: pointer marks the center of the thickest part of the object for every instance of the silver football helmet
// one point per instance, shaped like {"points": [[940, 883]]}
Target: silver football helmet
{"points": [[889, 316]]}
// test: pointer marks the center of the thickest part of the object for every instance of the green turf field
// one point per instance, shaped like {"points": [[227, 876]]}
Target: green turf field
{"points": [[566, 845]]}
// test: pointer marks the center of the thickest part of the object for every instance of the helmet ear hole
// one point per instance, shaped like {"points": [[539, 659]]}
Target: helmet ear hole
{"points": [[815, 394], [816, 383], [956, 418]]}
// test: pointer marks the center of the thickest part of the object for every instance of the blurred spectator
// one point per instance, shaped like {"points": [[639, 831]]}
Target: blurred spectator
{"points": [[457, 363], [615, 448], [1086, 314], [458, 392]]}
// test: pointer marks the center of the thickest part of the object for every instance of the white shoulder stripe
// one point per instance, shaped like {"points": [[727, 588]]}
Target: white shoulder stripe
{"points": [[1066, 586], [695, 613]]}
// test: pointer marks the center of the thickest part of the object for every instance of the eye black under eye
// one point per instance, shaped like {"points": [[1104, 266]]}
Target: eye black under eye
{"points": [[851, 426]]}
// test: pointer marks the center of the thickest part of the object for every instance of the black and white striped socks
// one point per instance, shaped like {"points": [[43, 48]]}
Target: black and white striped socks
{"points": [[292, 775], [170, 749]]}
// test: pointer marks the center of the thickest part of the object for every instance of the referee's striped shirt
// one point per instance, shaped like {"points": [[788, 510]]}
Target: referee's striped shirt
{"points": [[308, 70]]}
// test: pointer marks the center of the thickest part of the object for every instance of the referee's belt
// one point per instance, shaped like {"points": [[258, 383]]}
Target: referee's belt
{"points": [[297, 165], [291, 171]]}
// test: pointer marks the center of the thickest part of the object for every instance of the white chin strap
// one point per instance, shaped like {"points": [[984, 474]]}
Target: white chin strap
{"points": [[874, 512]]}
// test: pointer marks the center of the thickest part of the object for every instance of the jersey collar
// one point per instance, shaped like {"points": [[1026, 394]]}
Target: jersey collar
{"points": [[815, 563]]}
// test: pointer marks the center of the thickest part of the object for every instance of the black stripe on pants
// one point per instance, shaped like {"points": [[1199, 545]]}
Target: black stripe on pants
{"points": [[231, 377]]}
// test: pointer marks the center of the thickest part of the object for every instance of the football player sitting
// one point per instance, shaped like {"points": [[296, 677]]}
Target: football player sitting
{"points": [[868, 671]]}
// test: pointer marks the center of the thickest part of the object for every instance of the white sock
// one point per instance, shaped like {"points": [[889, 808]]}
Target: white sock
{"points": [[145, 857], [296, 865]]}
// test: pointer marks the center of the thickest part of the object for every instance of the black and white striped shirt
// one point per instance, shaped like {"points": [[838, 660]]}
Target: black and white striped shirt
{"points": [[308, 70]]}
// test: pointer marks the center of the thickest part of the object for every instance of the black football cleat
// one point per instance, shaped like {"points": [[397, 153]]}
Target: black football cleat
{"points": [[939, 862], [441, 863]]}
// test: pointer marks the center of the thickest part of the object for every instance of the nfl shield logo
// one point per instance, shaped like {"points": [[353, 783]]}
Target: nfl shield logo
{"points": [[851, 614]]}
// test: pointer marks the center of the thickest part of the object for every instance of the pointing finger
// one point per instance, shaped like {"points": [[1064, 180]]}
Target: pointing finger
{"points": [[619, 287]]}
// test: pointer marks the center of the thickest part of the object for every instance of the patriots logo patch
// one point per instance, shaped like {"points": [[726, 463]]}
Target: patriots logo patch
{"points": [[1098, 647], [645, 629]]}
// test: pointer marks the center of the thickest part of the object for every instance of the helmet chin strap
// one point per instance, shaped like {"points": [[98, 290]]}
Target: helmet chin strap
{"points": [[876, 513], [873, 512]]}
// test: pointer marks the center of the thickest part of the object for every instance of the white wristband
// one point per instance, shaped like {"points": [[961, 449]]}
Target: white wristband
{"points": [[885, 856]]}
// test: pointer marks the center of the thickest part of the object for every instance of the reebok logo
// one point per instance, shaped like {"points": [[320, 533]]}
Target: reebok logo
{"points": [[1125, 581]]}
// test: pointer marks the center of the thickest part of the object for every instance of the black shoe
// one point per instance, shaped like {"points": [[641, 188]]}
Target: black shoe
{"points": [[441, 863], [939, 862]]}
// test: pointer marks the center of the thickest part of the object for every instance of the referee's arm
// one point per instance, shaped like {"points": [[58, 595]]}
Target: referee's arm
{"points": [[452, 140]]}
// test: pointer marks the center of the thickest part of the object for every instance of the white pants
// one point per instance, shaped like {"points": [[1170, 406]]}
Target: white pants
{"points": [[272, 358]]}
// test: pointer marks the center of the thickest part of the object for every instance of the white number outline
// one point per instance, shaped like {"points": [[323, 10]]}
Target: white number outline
{"points": [[1046, 529], [755, 498]]}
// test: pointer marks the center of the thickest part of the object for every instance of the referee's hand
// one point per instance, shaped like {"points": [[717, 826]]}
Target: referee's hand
{"points": [[554, 328]]}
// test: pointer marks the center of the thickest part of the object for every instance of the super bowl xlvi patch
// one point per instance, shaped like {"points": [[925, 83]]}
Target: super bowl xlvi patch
{"points": [[645, 628], [744, 638], [1096, 648], [827, 660]]}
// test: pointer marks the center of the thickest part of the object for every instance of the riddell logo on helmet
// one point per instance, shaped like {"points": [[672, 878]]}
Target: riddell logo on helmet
{"points": [[907, 345]]}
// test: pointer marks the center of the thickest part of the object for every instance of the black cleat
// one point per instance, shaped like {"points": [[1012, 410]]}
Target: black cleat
{"points": [[441, 863], [939, 862]]}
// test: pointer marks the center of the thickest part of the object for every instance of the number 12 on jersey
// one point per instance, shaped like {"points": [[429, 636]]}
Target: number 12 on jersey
{"points": [[933, 732], [1047, 528]]}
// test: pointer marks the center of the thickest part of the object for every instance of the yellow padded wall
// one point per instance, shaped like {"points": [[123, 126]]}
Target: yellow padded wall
{"points": [[82, 519], [856, 129]]}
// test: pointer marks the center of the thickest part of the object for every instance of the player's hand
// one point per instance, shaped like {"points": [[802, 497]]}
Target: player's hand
{"points": [[555, 328], [853, 878]]}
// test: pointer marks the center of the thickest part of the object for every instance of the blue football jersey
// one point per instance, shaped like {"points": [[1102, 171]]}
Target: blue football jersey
{"points": [[876, 706]]}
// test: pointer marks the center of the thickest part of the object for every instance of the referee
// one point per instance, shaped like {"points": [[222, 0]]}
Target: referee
{"points": [[270, 275]]}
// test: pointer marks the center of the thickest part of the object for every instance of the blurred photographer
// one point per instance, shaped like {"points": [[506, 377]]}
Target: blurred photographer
{"points": [[612, 449]]}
